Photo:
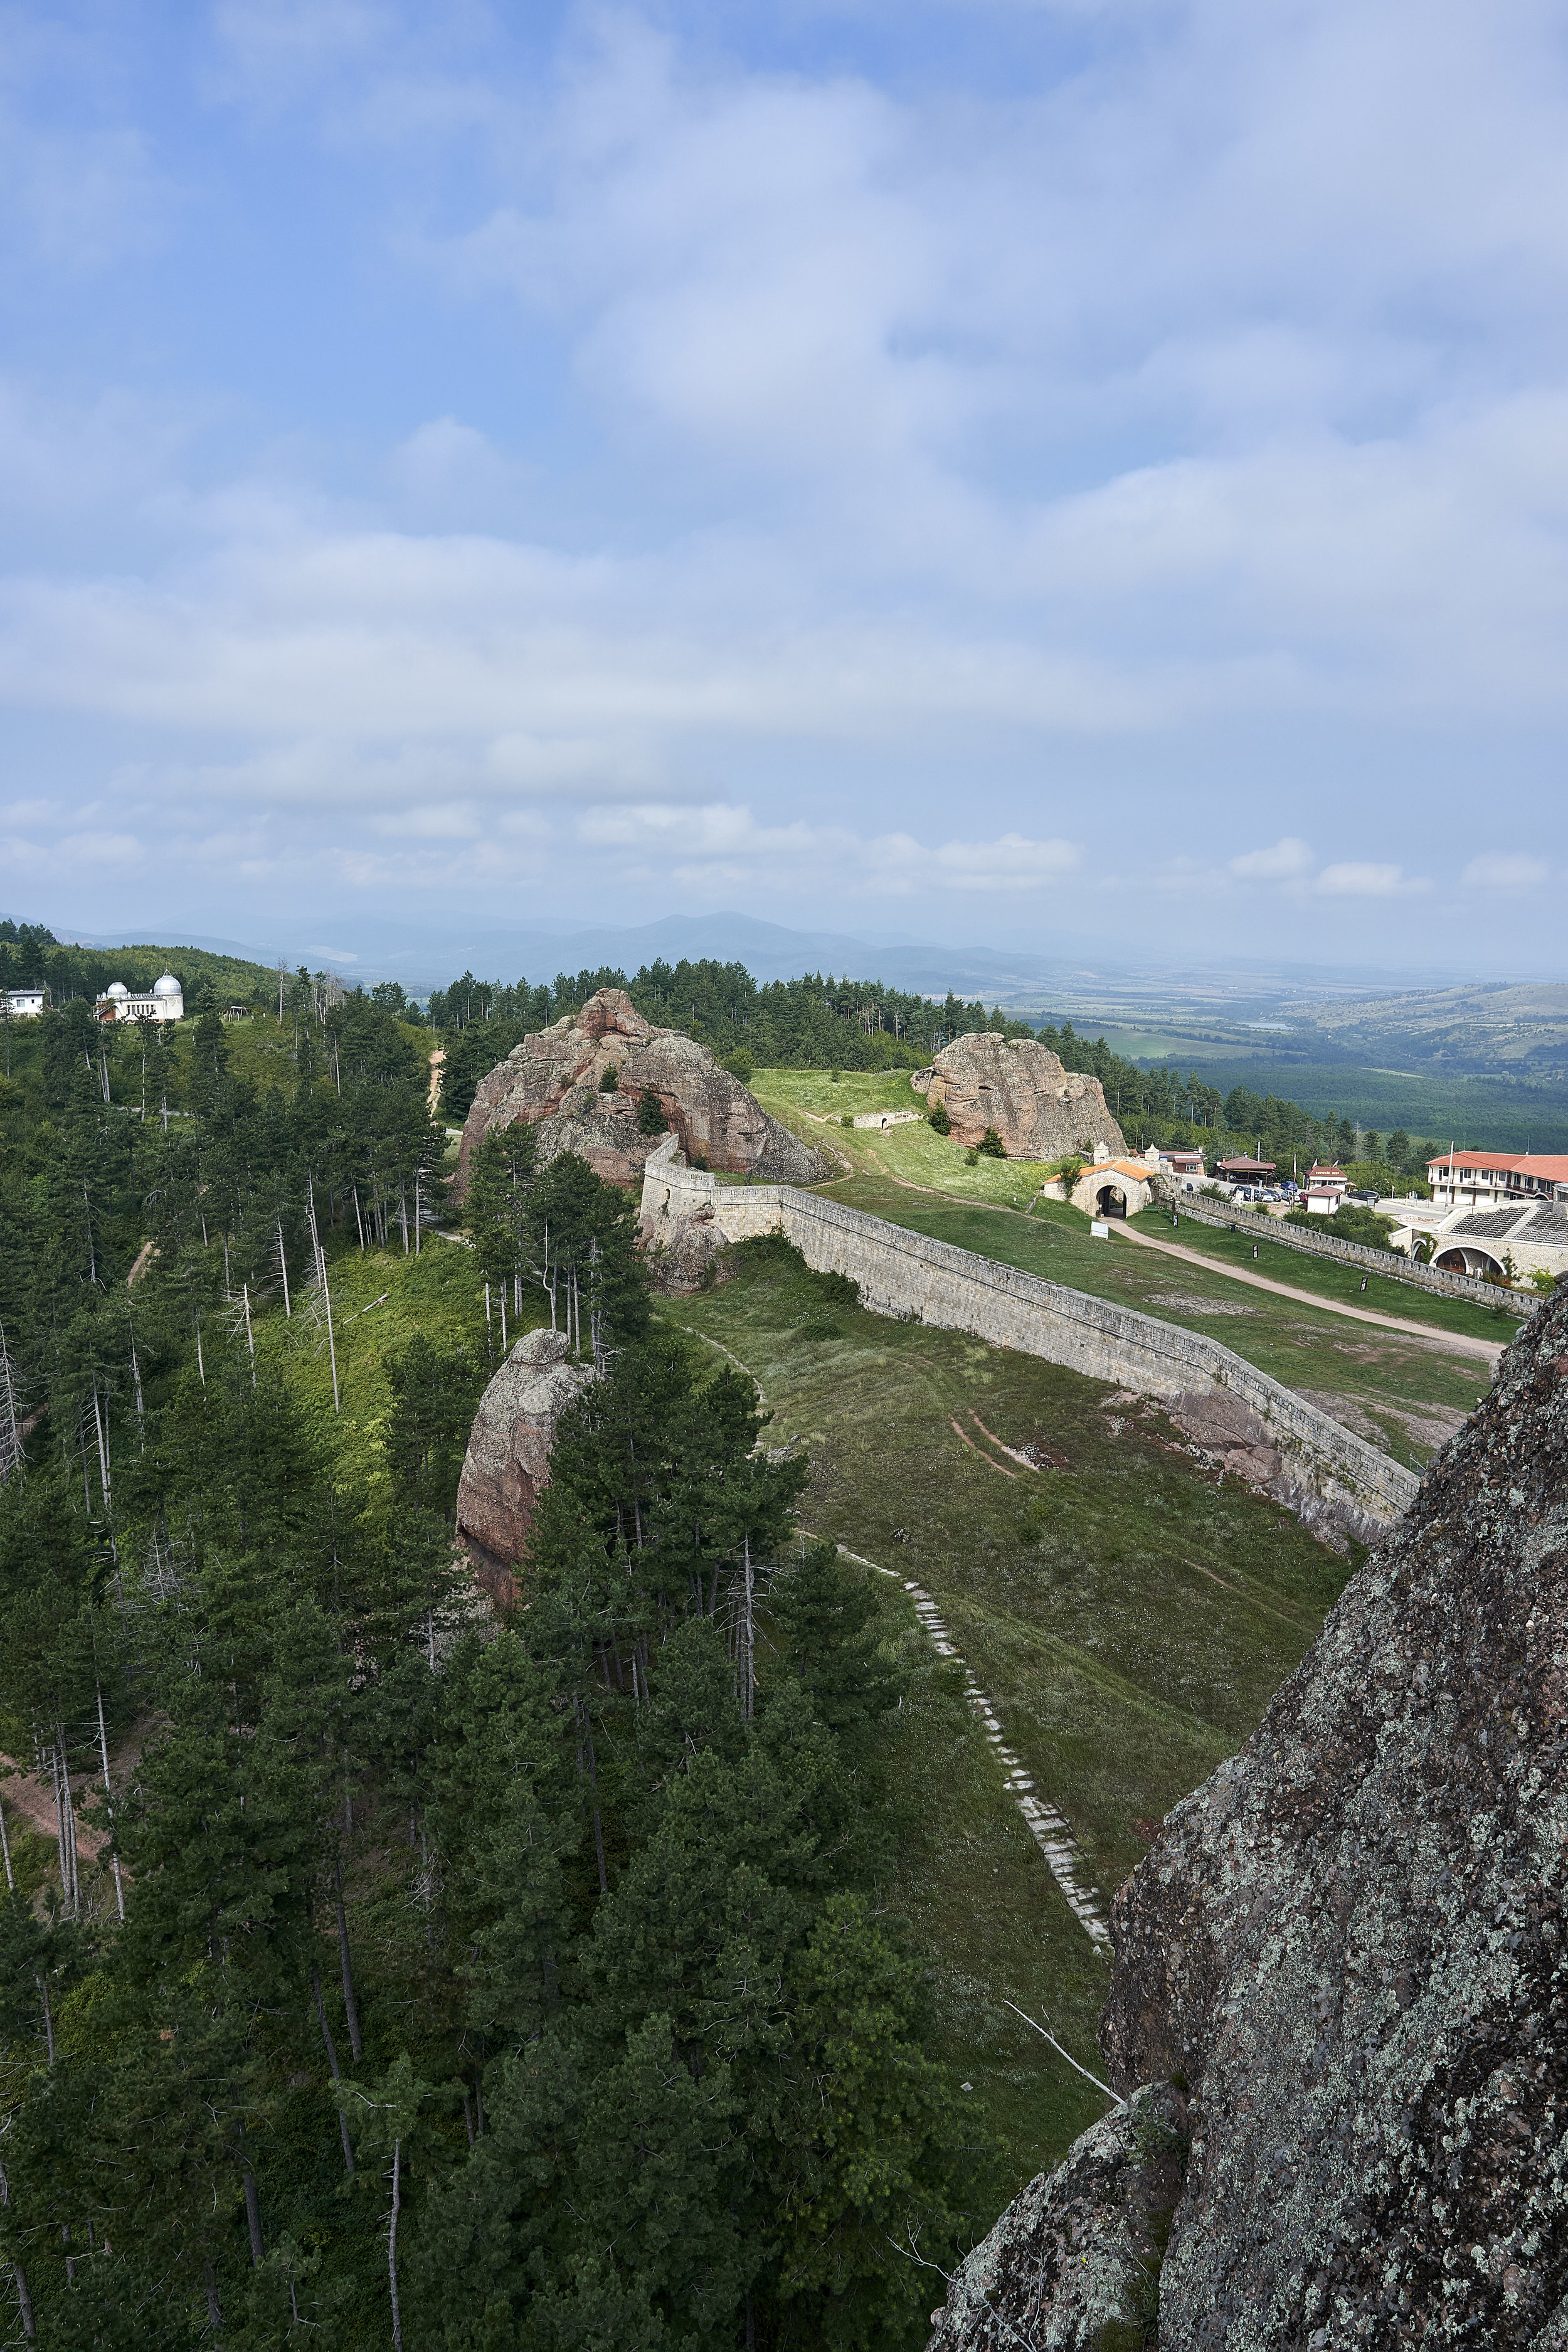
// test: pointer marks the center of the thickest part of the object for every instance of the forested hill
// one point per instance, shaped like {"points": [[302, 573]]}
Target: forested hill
{"points": [[31, 957], [438, 1983], [813, 1022]]}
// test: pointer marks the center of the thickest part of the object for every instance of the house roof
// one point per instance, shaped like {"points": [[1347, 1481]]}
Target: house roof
{"points": [[1550, 1166], [1464, 1162], [1250, 1167]]}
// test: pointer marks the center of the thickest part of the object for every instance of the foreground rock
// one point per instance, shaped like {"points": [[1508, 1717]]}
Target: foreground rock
{"points": [[1072, 2265], [506, 1466], [551, 1081], [1348, 1947], [1040, 1109]]}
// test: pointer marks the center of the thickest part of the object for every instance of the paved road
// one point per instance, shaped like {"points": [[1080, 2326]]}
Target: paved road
{"points": [[1458, 1343]]}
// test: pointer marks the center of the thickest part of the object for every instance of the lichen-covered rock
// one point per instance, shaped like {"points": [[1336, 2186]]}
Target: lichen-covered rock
{"points": [[1073, 2264], [688, 1256], [506, 1466], [1040, 1109], [552, 1081], [1349, 1945]]}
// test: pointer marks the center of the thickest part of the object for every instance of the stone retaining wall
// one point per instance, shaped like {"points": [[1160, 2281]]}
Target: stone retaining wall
{"points": [[1392, 1263], [905, 1274]]}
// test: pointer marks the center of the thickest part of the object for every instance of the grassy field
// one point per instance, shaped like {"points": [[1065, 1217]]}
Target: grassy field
{"points": [[1130, 1613], [1327, 1277], [1397, 1392]]}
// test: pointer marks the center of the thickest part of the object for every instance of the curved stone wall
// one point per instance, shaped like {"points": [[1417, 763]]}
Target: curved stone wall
{"points": [[905, 1274]]}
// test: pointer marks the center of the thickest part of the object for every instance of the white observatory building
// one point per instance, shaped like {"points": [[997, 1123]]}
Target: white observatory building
{"points": [[166, 1001]]}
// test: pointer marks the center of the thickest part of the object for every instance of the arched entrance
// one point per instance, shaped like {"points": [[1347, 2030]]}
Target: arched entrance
{"points": [[1478, 1264], [1110, 1200]]}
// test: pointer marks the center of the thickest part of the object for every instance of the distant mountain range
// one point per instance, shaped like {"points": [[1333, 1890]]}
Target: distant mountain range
{"points": [[1066, 973]]}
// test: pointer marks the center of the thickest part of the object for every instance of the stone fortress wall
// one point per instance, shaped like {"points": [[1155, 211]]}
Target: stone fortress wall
{"points": [[904, 1273]]}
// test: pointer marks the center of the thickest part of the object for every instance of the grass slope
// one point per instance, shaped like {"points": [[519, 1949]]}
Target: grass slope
{"points": [[1130, 1613], [1397, 1392]]}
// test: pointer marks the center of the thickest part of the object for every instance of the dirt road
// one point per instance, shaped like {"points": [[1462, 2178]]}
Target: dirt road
{"points": [[1458, 1343]]}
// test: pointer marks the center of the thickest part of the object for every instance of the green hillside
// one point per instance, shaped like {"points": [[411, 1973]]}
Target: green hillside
{"points": [[31, 956]]}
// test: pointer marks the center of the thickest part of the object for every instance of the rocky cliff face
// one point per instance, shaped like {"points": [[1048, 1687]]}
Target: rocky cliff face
{"points": [[551, 1081], [1346, 1952], [1041, 1111], [507, 1465]]}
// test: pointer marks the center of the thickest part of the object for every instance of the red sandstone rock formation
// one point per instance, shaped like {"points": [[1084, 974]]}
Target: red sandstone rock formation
{"points": [[551, 1081], [506, 1466], [1040, 1109]]}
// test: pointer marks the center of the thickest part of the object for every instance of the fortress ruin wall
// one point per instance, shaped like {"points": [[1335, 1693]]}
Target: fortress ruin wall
{"points": [[906, 1275]]}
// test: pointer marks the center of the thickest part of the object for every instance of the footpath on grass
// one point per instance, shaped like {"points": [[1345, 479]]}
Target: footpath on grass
{"points": [[1063, 1856], [1050, 1833], [1458, 1342]]}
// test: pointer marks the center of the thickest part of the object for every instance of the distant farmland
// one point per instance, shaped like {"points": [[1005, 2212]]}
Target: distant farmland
{"points": [[1478, 1111]]}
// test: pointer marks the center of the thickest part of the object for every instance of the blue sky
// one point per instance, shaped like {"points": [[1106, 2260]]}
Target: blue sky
{"points": [[971, 471]]}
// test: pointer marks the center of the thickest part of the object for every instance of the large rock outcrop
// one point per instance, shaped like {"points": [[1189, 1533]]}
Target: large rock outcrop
{"points": [[1347, 1950], [551, 1081], [1040, 1109], [506, 1466]]}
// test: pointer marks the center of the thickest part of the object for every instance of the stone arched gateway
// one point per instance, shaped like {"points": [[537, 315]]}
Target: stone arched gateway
{"points": [[1467, 1258], [1114, 1187]]}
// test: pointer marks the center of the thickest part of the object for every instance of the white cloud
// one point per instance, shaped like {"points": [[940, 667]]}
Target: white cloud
{"points": [[723, 845], [1505, 870], [1286, 862], [871, 444], [1357, 879]]}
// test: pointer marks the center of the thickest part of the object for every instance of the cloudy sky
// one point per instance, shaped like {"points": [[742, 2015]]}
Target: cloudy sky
{"points": [[974, 470]]}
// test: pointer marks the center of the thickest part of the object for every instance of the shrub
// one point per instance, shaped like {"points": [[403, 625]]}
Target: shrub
{"points": [[1351, 1222], [740, 1065], [610, 1079], [937, 1116], [971, 1157], [992, 1145], [651, 1119], [846, 1118]]}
